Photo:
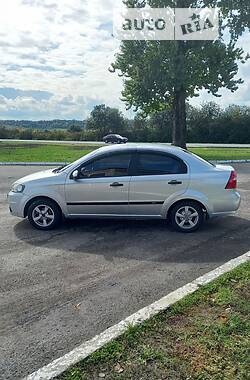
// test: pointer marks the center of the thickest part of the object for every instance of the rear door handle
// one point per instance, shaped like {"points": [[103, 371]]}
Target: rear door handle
{"points": [[174, 182], [116, 184]]}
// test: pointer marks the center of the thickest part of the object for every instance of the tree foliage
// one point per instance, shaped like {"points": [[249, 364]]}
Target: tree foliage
{"points": [[206, 124], [160, 75], [105, 120], [43, 124]]}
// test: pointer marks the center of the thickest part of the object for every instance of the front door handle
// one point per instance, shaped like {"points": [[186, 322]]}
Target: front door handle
{"points": [[174, 182], [116, 184]]}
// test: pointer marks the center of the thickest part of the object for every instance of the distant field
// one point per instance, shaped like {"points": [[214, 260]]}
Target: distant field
{"points": [[28, 152]]}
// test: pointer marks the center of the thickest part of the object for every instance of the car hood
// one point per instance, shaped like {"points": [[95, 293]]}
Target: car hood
{"points": [[41, 176]]}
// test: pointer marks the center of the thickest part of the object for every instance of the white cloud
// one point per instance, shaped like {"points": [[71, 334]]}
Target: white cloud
{"points": [[65, 48], [59, 47], [24, 107]]}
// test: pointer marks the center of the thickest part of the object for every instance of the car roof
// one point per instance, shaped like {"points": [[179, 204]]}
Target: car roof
{"points": [[112, 134], [142, 146]]}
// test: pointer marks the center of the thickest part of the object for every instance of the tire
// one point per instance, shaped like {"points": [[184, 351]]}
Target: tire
{"points": [[49, 212], [186, 216]]}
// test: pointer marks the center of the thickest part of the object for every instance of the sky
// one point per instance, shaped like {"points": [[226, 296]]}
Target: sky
{"points": [[54, 60]]}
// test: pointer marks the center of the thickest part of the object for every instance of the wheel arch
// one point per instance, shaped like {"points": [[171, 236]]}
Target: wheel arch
{"points": [[202, 205], [36, 198]]}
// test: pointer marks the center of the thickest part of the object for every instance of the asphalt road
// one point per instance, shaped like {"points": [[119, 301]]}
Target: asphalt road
{"points": [[109, 269], [96, 143]]}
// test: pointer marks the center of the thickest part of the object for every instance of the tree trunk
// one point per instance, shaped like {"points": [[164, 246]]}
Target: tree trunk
{"points": [[179, 119], [179, 96]]}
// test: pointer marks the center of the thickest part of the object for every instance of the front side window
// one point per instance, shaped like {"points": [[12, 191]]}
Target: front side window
{"points": [[159, 164], [109, 166]]}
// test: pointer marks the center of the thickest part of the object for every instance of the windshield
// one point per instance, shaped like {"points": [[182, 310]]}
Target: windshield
{"points": [[75, 163]]}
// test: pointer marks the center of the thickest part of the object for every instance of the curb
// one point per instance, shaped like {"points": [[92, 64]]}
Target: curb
{"points": [[60, 365], [66, 163], [231, 161]]}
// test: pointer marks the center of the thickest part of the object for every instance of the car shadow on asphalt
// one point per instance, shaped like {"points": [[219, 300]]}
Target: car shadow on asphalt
{"points": [[218, 240]]}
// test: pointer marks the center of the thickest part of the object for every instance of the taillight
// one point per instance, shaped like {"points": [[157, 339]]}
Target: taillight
{"points": [[232, 183]]}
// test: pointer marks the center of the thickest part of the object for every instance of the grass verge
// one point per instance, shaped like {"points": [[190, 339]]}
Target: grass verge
{"points": [[204, 336], [35, 152], [223, 153], [28, 152]]}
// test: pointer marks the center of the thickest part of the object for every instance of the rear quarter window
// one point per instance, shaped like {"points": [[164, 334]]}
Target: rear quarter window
{"points": [[200, 159], [159, 164]]}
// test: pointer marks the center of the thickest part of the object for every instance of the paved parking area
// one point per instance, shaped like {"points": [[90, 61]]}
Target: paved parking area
{"points": [[62, 287]]}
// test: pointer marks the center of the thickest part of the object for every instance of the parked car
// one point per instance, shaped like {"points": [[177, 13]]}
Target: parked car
{"points": [[130, 181], [115, 139]]}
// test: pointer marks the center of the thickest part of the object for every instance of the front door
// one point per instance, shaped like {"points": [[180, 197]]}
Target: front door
{"points": [[102, 187]]}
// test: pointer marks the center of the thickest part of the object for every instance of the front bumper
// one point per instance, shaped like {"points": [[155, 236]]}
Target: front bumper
{"points": [[16, 203]]}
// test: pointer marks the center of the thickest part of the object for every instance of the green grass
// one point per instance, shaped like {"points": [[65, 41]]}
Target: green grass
{"points": [[35, 152], [203, 337], [223, 153], [28, 152]]}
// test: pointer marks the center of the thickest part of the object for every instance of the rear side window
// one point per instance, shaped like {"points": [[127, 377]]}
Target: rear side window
{"points": [[109, 166], [159, 164], [199, 158]]}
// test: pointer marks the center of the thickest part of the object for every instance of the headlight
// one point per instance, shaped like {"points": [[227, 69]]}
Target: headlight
{"points": [[17, 188]]}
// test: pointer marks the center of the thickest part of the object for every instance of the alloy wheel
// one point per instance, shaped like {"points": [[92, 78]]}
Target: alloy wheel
{"points": [[43, 215], [186, 217]]}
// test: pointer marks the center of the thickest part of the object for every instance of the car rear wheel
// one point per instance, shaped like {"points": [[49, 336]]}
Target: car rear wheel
{"points": [[187, 216], [44, 214]]}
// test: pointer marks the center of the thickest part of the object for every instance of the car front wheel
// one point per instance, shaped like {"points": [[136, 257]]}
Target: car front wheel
{"points": [[44, 214], [187, 216]]}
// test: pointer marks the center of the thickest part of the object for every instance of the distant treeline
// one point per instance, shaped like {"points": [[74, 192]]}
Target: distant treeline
{"points": [[42, 124], [206, 124]]}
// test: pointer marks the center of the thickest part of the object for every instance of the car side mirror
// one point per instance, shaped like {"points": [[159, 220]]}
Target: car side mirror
{"points": [[75, 175]]}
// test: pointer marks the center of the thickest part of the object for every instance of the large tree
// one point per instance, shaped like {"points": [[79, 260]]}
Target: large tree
{"points": [[162, 75], [105, 120]]}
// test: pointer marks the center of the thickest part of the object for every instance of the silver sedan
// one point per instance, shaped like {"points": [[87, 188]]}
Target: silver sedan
{"points": [[131, 181]]}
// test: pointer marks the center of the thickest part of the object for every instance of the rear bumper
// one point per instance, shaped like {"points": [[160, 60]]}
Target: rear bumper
{"points": [[228, 205], [221, 214]]}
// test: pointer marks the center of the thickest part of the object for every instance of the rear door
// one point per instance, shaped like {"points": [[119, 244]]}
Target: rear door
{"points": [[156, 178]]}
